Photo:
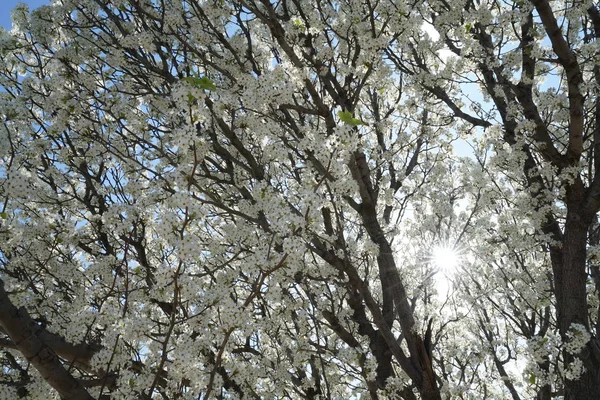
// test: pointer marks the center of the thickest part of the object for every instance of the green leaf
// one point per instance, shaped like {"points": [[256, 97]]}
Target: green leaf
{"points": [[468, 27], [532, 379], [298, 24], [203, 82], [3, 215], [347, 118]]}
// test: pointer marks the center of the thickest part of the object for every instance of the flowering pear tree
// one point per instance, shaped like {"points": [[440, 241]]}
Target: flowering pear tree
{"points": [[536, 65], [200, 199], [238, 199]]}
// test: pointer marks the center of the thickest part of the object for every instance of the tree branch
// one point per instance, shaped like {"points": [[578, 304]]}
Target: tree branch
{"points": [[23, 331]]}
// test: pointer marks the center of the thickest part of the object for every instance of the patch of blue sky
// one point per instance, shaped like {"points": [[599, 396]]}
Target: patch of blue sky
{"points": [[9, 5]]}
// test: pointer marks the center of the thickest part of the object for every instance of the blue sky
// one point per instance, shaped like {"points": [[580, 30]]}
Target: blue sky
{"points": [[8, 5]]}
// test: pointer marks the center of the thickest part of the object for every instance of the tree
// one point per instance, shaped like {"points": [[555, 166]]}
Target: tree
{"points": [[552, 130], [239, 199]]}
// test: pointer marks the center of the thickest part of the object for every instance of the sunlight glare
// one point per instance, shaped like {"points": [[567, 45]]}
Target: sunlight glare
{"points": [[445, 257]]}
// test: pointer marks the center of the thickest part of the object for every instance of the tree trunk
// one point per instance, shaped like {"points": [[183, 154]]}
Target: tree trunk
{"points": [[570, 277], [587, 387]]}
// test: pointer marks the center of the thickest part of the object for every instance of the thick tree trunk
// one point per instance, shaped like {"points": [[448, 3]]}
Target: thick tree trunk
{"points": [[587, 387], [570, 277]]}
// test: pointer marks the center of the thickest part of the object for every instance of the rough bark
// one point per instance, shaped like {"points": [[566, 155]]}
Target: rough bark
{"points": [[571, 299]]}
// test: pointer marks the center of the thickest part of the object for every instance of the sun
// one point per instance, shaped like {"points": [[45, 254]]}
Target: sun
{"points": [[445, 257]]}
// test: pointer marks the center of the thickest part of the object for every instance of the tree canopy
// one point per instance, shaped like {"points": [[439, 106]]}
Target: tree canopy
{"points": [[300, 199]]}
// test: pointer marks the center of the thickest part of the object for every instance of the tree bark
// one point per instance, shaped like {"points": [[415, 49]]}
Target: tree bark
{"points": [[23, 331], [570, 277], [586, 387], [395, 299]]}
